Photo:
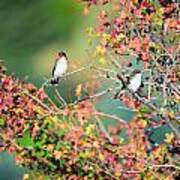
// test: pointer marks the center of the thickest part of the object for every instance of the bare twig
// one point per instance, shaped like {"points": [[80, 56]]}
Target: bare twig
{"points": [[103, 129], [176, 89], [165, 166], [145, 101], [149, 85], [97, 113], [76, 71], [172, 127], [114, 62], [60, 97], [127, 109], [38, 101], [99, 94], [47, 82], [106, 70]]}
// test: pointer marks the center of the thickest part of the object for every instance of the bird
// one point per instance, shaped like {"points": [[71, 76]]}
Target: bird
{"points": [[135, 81], [60, 67], [131, 83]]}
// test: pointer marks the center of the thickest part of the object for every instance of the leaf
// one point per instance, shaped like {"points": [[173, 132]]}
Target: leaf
{"points": [[158, 17], [90, 129], [111, 106], [26, 140], [100, 50], [145, 110], [62, 132], [40, 154], [169, 137], [79, 90], [2, 122]]}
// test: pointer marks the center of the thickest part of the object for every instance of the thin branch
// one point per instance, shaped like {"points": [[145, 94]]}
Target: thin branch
{"points": [[97, 113], [60, 97], [104, 70], [114, 62], [99, 94], [127, 109], [144, 101], [164, 91], [38, 101], [52, 103], [106, 171], [76, 71], [149, 85], [103, 129], [47, 82], [106, 76], [175, 89], [165, 166], [172, 127]]}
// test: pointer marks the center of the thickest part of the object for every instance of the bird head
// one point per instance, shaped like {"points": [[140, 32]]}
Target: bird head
{"points": [[60, 55], [137, 71]]}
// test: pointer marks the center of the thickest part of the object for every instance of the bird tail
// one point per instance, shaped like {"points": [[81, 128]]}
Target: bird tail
{"points": [[55, 81]]}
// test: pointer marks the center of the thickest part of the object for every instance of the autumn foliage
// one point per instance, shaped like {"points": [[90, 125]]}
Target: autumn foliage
{"points": [[72, 142]]}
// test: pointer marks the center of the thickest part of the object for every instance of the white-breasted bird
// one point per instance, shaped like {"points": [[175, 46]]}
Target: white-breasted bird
{"points": [[135, 81], [60, 67]]}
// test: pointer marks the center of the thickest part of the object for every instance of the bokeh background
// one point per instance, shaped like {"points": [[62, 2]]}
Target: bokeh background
{"points": [[31, 32]]}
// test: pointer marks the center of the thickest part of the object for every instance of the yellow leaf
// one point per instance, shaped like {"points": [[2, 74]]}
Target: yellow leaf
{"points": [[102, 60], [121, 140], [120, 37], [169, 137], [90, 31], [101, 157], [171, 114], [79, 90], [143, 123], [134, 1], [58, 154], [90, 129], [89, 41], [100, 50], [26, 177], [86, 10]]}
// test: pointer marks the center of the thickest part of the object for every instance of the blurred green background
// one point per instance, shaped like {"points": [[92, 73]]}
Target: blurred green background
{"points": [[31, 33]]}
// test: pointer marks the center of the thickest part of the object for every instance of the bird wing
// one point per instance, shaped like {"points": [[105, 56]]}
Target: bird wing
{"points": [[53, 70]]}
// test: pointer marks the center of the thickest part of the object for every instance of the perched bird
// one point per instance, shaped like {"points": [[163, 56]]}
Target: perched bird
{"points": [[135, 81], [132, 83], [60, 67]]}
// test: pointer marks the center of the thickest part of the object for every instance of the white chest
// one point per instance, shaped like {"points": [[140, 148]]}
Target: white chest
{"points": [[61, 67], [135, 83]]}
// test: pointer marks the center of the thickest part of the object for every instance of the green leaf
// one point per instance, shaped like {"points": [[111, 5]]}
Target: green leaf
{"points": [[142, 174], [26, 140], [62, 132], [111, 106], [40, 154], [145, 109], [2, 122]]}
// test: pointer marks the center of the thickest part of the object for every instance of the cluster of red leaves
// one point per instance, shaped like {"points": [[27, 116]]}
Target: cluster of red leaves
{"points": [[136, 26], [17, 107], [42, 140], [146, 31]]}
